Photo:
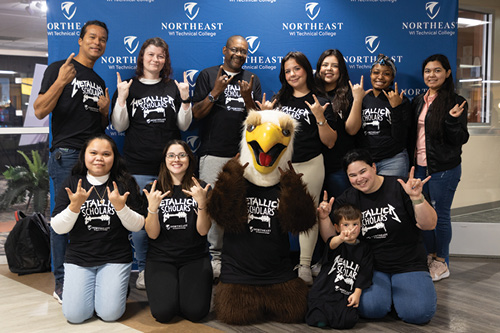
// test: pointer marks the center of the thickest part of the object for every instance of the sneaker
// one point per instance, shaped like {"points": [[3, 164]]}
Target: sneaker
{"points": [[315, 269], [139, 283], [304, 272], [57, 294], [216, 265], [439, 270]]}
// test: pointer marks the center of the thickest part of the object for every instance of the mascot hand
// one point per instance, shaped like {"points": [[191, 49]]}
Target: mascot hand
{"points": [[290, 173]]}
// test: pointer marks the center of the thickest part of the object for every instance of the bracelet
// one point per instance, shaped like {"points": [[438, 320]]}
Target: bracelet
{"points": [[418, 201], [150, 212], [187, 100], [199, 208]]}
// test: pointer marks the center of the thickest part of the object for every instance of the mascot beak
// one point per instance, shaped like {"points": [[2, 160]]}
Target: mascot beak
{"points": [[267, 143]]}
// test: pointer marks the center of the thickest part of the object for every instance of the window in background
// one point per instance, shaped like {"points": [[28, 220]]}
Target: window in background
{"points": [[474, 63]]}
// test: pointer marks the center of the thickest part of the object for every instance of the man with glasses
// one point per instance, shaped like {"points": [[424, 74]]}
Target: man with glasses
{"points": [[222, 97]]}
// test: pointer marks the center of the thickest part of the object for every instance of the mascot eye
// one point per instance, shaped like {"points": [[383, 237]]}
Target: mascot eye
{"points": [[250, 128], [285, 132]]}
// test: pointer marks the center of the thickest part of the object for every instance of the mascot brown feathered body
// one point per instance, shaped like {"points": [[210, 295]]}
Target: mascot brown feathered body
{"points": [[258, 199]]}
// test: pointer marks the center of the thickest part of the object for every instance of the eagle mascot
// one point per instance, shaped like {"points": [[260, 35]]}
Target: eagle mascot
{"points": [[258, 198]]}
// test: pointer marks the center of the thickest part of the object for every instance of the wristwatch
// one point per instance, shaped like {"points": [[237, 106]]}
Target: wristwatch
{"points": [[211, 98], [321, 123]]}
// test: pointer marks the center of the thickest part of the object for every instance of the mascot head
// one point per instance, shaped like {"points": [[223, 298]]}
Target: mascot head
{"points": [[267, 143]]}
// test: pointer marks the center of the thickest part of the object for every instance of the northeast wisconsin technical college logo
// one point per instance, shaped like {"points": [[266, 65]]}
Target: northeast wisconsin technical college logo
{"points": [[253, 44], [432, 9], [131, 43], [190, 73], [68, 9], [312, 10], [372, 43], [191, 10]]}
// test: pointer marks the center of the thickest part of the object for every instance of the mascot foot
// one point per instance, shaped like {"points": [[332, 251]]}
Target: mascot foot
{"points": [[305, 273]]}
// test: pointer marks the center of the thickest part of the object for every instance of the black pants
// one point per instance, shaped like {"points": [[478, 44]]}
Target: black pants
{"points": [[179, 289]]}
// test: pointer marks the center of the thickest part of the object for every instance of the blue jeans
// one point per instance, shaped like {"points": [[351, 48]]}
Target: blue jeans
{"points": [[140, 238], [412, 294], [441, 190], [335, 183], [102, 289], [61, 162], [398, 165]]}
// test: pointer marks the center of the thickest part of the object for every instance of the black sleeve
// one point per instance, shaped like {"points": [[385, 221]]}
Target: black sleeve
{"points": [[455, 128]]}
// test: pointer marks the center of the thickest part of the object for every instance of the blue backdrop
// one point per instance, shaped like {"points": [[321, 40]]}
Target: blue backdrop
{"points": [[407, 31]]}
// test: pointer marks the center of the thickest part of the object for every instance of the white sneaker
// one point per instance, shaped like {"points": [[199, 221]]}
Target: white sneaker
{"points": [[439, 270], [315, 269], [216, 265], [139, 283], [304, 272], [56, 296]]}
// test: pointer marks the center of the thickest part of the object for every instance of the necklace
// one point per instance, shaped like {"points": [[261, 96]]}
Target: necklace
{"points": [[101, 197]]}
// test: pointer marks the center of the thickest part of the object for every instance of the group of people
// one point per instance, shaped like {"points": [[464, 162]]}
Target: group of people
{"points": [[391, 165]]}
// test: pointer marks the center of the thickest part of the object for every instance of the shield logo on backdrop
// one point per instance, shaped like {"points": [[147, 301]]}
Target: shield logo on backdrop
{"points": [[372, 43], [312, 10], [191, 10], [131, 43], [432, 9], [190, 73], [68, 9], [253, 44]]}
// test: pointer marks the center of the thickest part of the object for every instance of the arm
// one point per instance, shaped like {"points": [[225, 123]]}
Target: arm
{"points": [[246, 89], [202, 108], [326, 228], [353, 299], [456, 124], [353, 122], [425, 215], [154, 198], [63, 222], [184, 116], [131, 220], [327, 135], [45, 103], [203, 222], [119, 116]]}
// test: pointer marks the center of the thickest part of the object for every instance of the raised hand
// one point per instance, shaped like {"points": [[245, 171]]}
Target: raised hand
{"points": [[103, 103], [246, 88], [358, 91], [78, 198], [67, 71], [122, 87], [395, 98], [154, 197], [457, 110], [317, 109], [265, 105], [199, 193], [221, 83], [183, 87], [413, 187], [325, 207], [117, 200]]}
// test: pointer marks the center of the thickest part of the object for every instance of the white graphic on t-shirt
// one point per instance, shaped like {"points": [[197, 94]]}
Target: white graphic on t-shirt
{"points": [[175, 211], [375, 218], [90, 90], [347, 271], [260, 211], [234, 101], [297, 113], [372, 119], [97, 215], [153, 104]]}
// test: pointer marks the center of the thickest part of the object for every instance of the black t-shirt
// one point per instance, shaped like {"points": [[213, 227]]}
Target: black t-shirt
{"points": [[152, 112], [345, 142], [220, 130], [178, 241], [76, 115], [384, 130], [388, 225], [307, 143], [260, 254], [348, 267], [98, 236]]}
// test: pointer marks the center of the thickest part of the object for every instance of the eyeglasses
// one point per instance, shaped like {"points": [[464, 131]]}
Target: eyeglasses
{"points": [[240, 51], [172, 156]]}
